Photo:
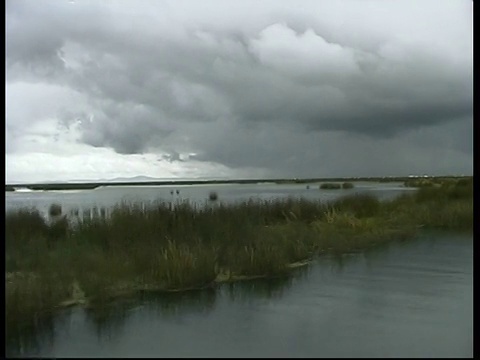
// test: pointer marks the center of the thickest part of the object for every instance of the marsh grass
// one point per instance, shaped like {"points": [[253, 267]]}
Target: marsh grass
{"points": [[347, 185], [55, 210], [330, 186], [22, 228], [360, 205], [344, 231], [154, 246], [439, 182], [185, 266]]}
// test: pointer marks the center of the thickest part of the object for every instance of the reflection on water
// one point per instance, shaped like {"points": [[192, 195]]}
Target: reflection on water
{"points": [[173, 305], [408, 299], [107, 321], [29, 335], [249, 291]]}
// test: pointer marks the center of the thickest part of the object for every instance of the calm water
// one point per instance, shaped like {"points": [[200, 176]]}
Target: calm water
{"points": [[410, 299], [109, 196]]}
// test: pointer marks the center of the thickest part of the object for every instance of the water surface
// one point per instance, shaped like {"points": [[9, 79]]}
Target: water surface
{"points": [[196, 194]]}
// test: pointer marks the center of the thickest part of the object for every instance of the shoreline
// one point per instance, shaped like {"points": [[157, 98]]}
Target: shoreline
{"points": [[225, 277], [94, 185]]}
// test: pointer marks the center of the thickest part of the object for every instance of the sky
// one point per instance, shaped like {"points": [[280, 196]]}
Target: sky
{"points": [[237, 89]]}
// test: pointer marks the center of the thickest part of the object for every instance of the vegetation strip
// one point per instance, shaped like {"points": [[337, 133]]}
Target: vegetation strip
{"points": [[78, 296]]}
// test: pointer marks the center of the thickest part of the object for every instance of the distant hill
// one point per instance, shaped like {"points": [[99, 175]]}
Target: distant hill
{"points": [[135, 179]]}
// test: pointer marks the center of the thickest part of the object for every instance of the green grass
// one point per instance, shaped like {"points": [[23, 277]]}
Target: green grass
{"points": [[153, 246]]}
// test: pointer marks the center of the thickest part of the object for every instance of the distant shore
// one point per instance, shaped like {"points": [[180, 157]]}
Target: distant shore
{"points": [[93, 185]]}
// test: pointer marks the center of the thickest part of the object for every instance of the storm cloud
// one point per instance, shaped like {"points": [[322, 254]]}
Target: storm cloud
{"points": [[277, 88]]}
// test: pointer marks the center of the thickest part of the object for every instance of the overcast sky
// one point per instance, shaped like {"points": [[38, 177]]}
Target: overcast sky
{"points": [[229, 88]]}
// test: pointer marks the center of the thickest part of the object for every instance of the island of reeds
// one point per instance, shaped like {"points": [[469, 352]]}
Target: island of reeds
{"points": [[336, 186], [64, 260]]}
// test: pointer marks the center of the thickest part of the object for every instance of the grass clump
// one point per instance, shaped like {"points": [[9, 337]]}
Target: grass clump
{"points": [[360, 205], [347, 185], [344, 232], [213, 196], [55, 210], [22, 228], [180, 266], [330, 186]]}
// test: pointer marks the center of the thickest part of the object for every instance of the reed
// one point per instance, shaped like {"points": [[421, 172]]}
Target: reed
{"points": [[347, 185], [330, 186]]}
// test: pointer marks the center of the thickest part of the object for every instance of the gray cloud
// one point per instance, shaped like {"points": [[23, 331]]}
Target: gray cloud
{"points": [[124, 127], [273, 88]]}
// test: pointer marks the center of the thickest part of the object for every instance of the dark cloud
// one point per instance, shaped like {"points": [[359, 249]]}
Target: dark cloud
{"points": [[181, 77]]}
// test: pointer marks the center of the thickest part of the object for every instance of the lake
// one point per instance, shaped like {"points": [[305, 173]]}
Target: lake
{"points": [[405, 299], [198, 194]]}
